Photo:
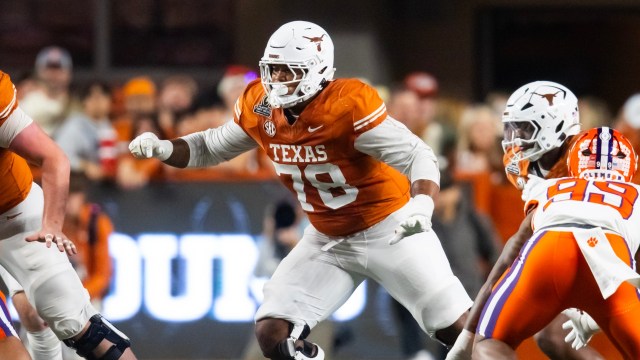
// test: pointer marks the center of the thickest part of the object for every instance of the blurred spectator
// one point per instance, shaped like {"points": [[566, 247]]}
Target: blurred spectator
{"points": [[497, 100], [594, 112], [404, 106], [425, 86], [139, 102], [134, 173], [90, 228], [88, 138], [51, 104], [479, 149], [140, 115], [177, 94], [230, 87], [469, 238]]}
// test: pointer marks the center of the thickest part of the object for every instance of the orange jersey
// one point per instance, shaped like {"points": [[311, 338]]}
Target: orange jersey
{"points": [[341, 189], [15, 175]]}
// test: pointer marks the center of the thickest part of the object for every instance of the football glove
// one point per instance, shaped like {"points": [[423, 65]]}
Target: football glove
{"points": [[582, 326], [147, 145], [418, 221]]}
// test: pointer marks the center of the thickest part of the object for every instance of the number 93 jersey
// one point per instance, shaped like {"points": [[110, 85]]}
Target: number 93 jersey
{"points": [[611, 205], [341, 189]]}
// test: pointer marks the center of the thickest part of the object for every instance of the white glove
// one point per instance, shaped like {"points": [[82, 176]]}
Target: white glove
{"points": [[148, 145], [582, 326], [531, 183], [418, 221], [463, 347]]}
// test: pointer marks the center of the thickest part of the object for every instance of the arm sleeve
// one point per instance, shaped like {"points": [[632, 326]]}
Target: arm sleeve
{"points": [[213, 146], [15, 123], [392, 143]]}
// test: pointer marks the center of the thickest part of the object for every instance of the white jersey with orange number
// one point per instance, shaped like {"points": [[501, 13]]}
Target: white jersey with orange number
{"points": [[611, 205]]}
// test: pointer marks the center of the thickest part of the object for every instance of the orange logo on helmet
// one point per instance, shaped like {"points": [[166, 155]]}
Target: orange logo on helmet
{"points": [[317, 40], [549, 97]]}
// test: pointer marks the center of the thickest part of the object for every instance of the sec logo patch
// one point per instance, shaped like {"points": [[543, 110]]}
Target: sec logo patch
{"points": [[269, 128]]}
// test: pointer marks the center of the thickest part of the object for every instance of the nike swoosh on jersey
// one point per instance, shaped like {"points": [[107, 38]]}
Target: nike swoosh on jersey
{"points": [[11, 217], [314, 129]]}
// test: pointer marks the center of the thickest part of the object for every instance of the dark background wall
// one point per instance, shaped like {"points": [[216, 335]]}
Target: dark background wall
{"points": [[472, 46]]}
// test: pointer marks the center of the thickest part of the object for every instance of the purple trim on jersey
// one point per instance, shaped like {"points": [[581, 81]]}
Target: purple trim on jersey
{"points": [[517, 266], [8, 330]]}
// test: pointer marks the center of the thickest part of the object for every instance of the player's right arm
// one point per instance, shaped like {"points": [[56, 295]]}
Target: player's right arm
{"points": [[199, 149]]}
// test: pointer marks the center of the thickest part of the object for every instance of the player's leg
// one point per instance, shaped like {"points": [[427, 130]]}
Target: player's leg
{"points": [[307, 287], [416, 272], [42, 342], [11, 347], [528, 295], [53, 287]]}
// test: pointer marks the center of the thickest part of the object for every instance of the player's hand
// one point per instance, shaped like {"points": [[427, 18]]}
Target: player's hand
{"points": [[531, 183], [52, 237], [419, 220], [582, 326], [463, 347], [147, 145]]}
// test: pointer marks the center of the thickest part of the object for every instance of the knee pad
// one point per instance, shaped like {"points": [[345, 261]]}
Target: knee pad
{"points": [[100, 329]]}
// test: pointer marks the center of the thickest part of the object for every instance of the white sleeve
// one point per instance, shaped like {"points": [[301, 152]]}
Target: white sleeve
{"points": [[17, 121], [213, 146], [392, 143]]}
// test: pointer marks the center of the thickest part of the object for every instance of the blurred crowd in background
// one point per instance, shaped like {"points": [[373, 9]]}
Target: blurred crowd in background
{"points": [[94, 121]]}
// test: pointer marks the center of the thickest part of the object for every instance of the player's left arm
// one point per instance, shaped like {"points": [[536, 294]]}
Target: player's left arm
{"points": [[31, 143], [392, 143]]}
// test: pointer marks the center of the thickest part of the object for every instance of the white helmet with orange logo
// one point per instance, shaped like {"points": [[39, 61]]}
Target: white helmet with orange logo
{"points": [[602, 154], [301, 46], [538, 117]]}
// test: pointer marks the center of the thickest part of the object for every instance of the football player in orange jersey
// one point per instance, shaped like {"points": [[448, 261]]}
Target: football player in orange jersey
{"points": [[540, 121], [586, 233], [365, 181], [30, 212]]}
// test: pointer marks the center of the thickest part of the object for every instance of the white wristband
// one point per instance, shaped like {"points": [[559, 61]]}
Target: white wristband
{"points": [[165, 149]]}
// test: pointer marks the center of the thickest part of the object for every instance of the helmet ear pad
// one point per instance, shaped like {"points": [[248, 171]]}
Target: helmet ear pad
{"points": [[304, 47], [550, 108]]}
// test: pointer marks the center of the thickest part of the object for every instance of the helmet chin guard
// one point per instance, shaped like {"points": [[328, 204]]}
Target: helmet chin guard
{"points": [[307, 51]]}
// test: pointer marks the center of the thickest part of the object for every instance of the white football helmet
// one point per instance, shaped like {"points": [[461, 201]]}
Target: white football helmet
{"points": [[538, 117], [301, 46]]}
